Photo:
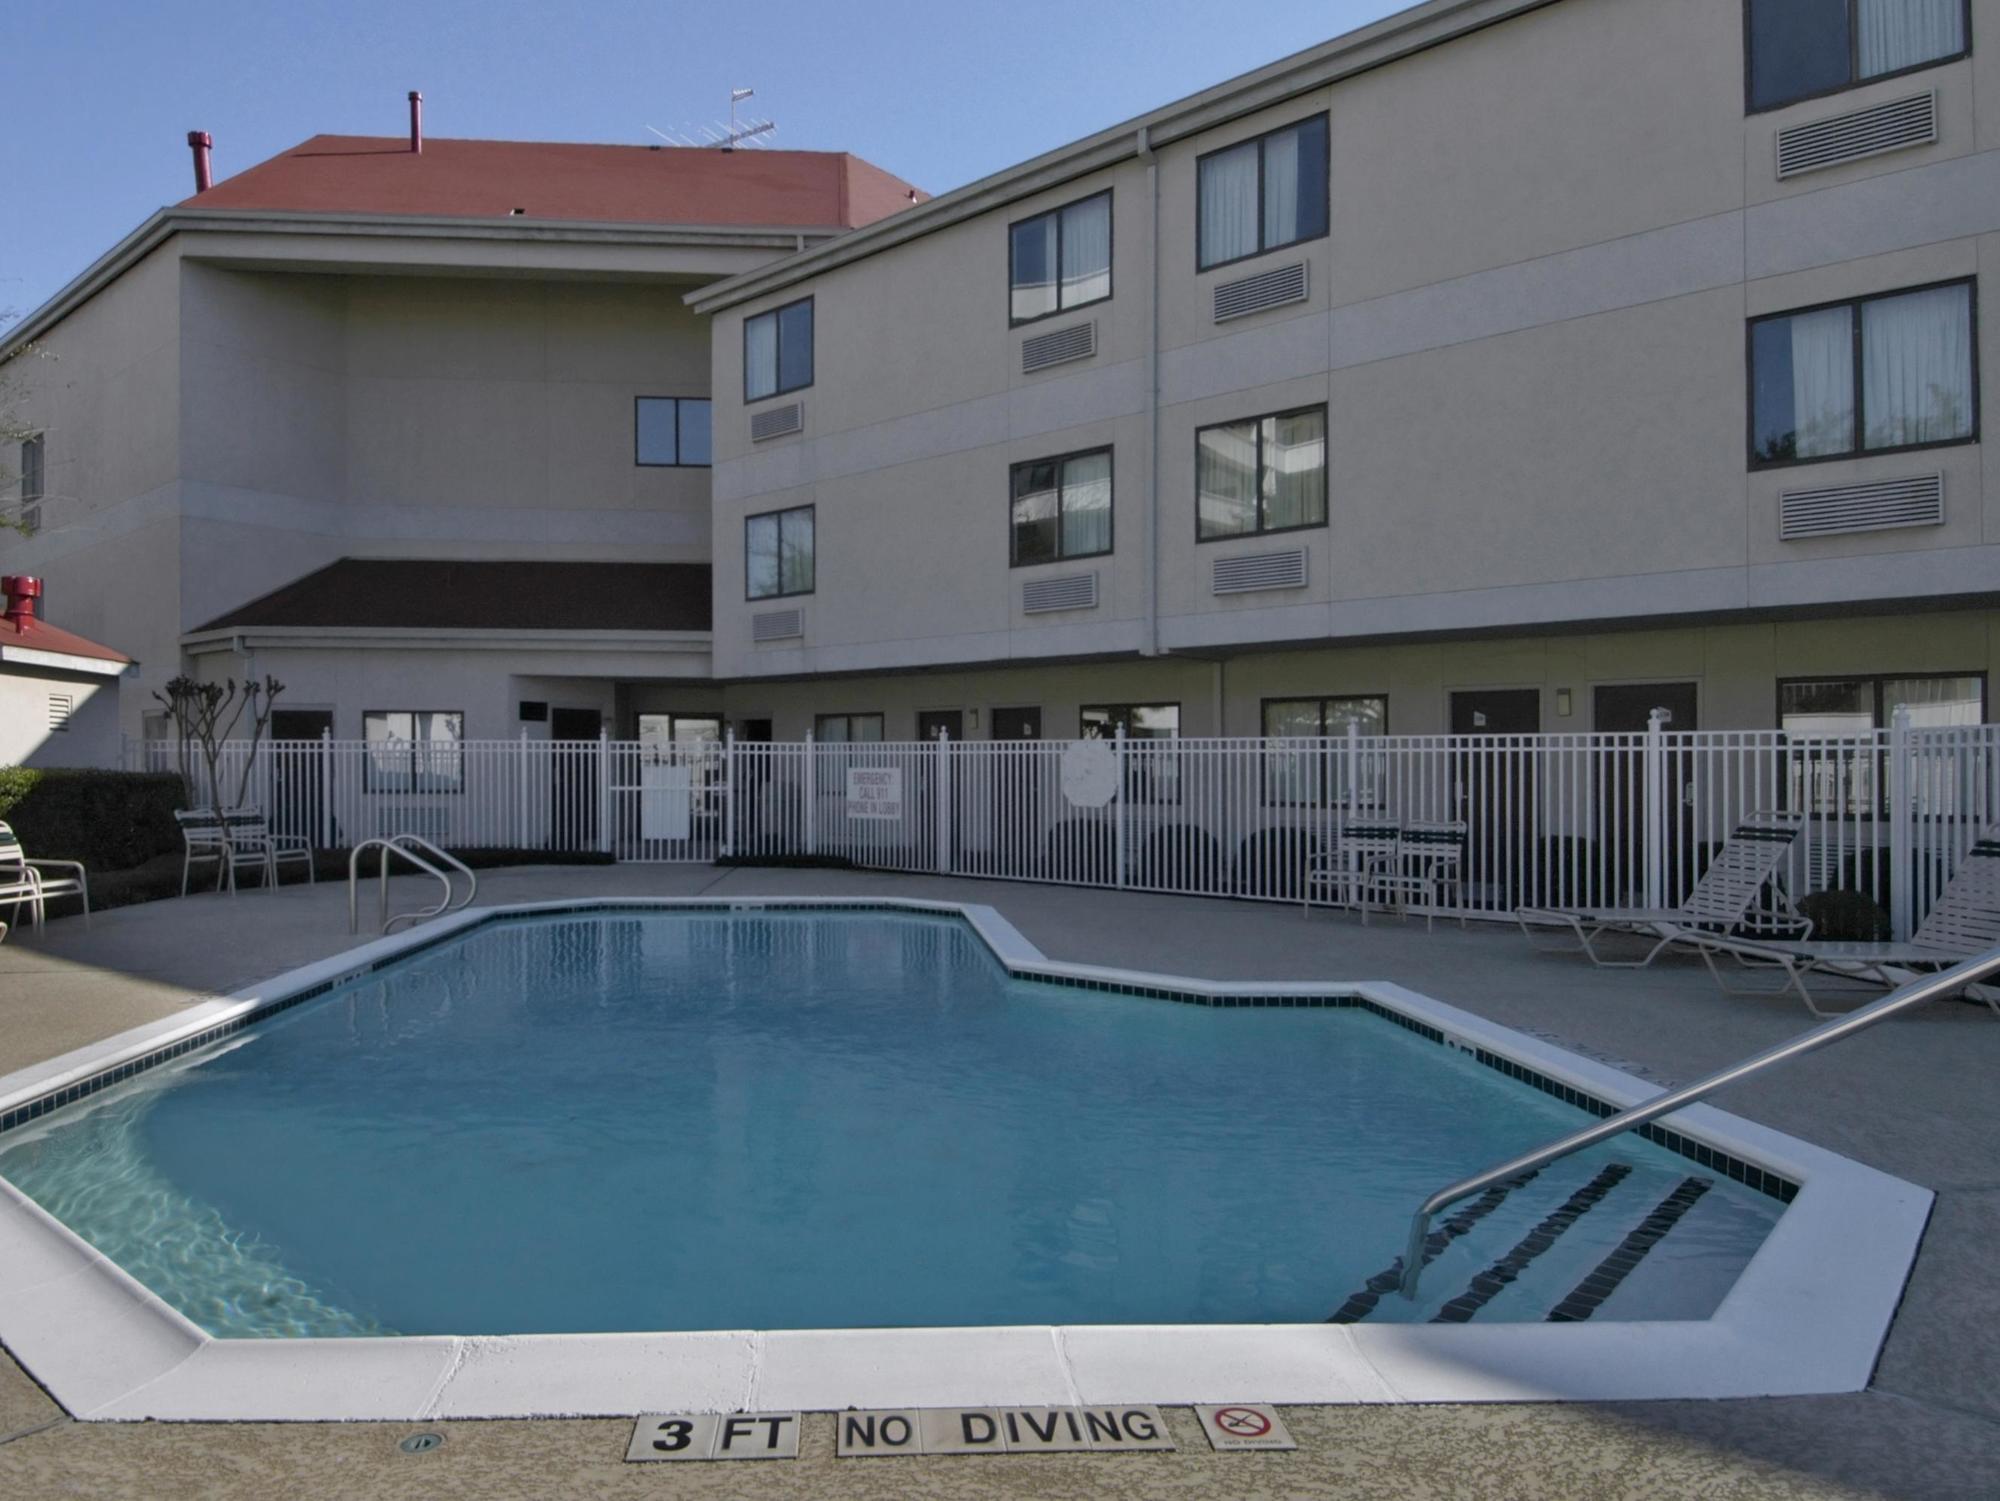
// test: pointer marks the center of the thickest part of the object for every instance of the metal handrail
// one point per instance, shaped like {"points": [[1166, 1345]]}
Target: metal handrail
{"points": [[471, 877], [393, 845], [1949, 981]]}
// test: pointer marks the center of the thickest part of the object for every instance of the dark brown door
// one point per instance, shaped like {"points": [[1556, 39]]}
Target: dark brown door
{"points": [[1627, 709], [573, 776], [1017, 724], [932, 723], [299, 773], [1494, 786]]}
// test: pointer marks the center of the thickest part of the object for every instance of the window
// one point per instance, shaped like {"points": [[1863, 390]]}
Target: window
{"points": [[1800, 48], [1062, 508], [1262, 194], [1824, 778], [845, 729], [1264, 474], [672, 431], [1152, 772], [1319, 774], [659, 730], [1870, 376], [778, 553], [31, 486], [1060, 260], [778, 351], [414, 750]]}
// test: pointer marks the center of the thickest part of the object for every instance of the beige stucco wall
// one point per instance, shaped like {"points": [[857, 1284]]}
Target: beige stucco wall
{"points": [[90, 737], [1735, 670], [1527, 322]]}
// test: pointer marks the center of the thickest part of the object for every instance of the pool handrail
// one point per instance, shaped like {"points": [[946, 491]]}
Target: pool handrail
{"points": [[399, 844], [1929, 988]]}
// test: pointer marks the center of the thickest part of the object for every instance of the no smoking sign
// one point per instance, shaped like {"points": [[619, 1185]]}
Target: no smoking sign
{"points": [[1244, 1425]]}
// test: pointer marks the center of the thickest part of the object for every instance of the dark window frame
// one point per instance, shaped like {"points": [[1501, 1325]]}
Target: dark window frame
{"points": [[1201, 267], [1110, 265], [1106, 709], [31, 504], [850, 717], [1854, 81], [783, 593], [1855, 305], [1326, 474], [680, 443], [1788, 784], [1150, 777], [778, 372], [371, 775], [1323, 795], [1110, 545]]}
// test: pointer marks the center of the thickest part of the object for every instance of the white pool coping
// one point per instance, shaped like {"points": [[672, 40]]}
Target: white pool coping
{"points": [[1808, 1315]]}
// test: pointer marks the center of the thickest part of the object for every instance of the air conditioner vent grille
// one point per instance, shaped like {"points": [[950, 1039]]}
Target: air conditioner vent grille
{"points": [[1059, 347], [777, 625], [1248, 572], [1878, 507], [1862, 133], [778, 421], [1267, 289], [1063, 591]]}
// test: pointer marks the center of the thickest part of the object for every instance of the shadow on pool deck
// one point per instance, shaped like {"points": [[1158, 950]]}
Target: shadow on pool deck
{"points": [[1915, 1098]]}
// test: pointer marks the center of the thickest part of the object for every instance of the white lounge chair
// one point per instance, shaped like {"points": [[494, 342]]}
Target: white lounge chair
{"points": [[1723, 900], [1963, 921], [28, 882], [252, 843]]}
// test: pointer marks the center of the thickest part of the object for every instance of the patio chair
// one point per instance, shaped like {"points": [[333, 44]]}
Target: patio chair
{"points": [[1965, 920], [1363, 851], [251, 842], [203, 838], [1431, 863], [28, 882], [1723, 900]]}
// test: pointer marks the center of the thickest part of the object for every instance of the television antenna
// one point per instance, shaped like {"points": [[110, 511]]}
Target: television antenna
{"points": [[719, 137]]}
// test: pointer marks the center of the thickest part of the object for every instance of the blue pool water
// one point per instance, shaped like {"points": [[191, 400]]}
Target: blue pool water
{"points": [[720, 1120]]}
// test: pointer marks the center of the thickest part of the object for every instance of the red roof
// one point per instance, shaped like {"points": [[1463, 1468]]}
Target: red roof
{"points": [[32, 633], [559, 180]]}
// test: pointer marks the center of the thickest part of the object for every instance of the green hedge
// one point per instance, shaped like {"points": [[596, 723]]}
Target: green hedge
{"points": [[110, 820]]}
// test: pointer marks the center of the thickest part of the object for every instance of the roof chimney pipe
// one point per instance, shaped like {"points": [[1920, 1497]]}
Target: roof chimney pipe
{"points": [[200, 141], [22, 591], [416, 121]]}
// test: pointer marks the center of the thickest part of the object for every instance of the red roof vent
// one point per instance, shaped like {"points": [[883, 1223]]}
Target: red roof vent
{"points": [[199, 142], [22, 591]]}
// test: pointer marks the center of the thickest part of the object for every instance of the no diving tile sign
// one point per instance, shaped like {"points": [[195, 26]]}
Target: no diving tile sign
{"points": [[1000, 1430], [1244, 1425]]}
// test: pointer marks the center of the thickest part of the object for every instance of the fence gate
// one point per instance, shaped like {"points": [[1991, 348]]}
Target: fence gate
{"points": [[665, 801]]}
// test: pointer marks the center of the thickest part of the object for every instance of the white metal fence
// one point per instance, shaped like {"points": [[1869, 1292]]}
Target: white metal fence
{"points": [[1597, 820]]}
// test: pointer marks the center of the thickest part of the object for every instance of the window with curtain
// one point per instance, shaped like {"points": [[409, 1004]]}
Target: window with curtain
{"points": [[1880, 373], [778, 350], [778, 553], [1825, 777], [1263, 474], [1318, 773], [1801, 48], [672, 431], [1262, 194], [1060, 260], [414, 750], [1061, 508], [31, 484], [847, 729]]}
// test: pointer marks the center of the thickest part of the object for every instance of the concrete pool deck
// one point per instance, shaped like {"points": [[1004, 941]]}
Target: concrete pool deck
{"points": [[1914, 1099]]}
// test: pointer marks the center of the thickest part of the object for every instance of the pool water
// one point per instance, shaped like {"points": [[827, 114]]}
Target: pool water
{"points": [[661, 1120]]}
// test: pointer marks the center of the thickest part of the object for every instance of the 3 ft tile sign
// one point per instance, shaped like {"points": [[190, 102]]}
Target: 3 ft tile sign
{"points": [[874, 792], [999, 1430]]}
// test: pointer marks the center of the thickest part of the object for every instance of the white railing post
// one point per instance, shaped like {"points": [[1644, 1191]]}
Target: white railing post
{"points": [[603, 789], [326, 788], [1902, 831], [1656, 809], [943, 783], [811, 797], [521, 793], [729, 790], [1119, 817]]}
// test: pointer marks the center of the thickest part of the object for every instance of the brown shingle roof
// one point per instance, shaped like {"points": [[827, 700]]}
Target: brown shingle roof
{"points": [[443, 594], [565, 181]]}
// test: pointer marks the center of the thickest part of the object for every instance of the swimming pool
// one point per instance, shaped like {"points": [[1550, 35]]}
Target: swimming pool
{"points": [[687, 1138], [810, 1120]]}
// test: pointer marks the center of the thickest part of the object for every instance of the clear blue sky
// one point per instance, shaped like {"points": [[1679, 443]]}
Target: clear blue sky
{"points": [[101, 95]]}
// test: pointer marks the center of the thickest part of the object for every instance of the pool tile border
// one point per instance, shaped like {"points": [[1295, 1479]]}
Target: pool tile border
{"points": [[1793, 1323]]}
